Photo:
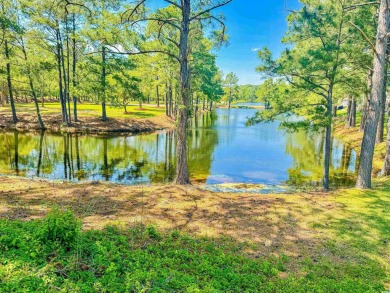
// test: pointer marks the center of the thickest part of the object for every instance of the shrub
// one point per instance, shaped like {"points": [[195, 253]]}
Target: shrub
{"points": [[59, 227]]}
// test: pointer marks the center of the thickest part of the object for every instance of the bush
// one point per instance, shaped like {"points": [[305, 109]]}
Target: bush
{"points": [[59, 227]]}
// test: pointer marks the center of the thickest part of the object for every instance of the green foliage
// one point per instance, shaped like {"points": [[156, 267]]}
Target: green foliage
{"points": [[139, 259], [60, 228], [248, 93], [325, 62]]}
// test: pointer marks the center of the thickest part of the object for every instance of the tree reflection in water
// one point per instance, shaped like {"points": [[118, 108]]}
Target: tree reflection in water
{"points": [[221, 149]]}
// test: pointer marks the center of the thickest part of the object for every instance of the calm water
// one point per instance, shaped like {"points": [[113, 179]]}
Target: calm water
{"points": [[222, 150]]}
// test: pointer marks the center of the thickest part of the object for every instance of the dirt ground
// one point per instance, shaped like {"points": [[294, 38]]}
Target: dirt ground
{"points": [[88, 124], [290, 223]]}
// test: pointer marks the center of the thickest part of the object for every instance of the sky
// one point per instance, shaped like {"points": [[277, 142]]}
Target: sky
{"points": [[251, 25]]}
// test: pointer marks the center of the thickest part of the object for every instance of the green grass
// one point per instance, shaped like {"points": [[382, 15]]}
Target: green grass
{"points": [[91, 110], [54, 255]]}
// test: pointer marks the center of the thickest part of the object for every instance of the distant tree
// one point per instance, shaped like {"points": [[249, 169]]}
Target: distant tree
{"points": [[247, 93], [231, 86]]}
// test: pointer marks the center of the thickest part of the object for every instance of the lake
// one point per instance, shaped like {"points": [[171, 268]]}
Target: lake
{"points": [[221, 150]]}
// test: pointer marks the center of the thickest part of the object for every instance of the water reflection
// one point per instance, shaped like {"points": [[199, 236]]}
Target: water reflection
{"points": [[221, 149]]}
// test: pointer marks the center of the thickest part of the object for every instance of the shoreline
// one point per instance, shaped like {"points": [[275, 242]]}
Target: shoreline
{"points": [[88, 125]]}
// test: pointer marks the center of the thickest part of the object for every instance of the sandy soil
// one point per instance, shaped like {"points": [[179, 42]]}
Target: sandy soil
{"points": [[88, 124]]}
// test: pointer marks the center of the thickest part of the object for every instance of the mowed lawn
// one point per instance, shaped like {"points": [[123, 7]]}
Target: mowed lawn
{"points": [[90, 110]]}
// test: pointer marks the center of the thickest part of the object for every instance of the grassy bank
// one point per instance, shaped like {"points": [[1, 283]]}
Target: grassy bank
{"points": [[203, 241], [150, 118]]}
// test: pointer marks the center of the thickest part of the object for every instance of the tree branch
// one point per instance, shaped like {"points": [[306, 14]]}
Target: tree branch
{"points": [[174, 4], [210, 9]]}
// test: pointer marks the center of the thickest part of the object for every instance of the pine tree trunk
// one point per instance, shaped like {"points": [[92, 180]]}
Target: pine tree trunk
{"points": [[167, 99], [380, 134], [328, 142], [366, 101], [157, 95], [103, 81], [386, 167], [9, 82], [378, 83], [348, 120], [66, 85], [353, 113], [61, 93], [182, 175], [32, 88], [74, 62]]}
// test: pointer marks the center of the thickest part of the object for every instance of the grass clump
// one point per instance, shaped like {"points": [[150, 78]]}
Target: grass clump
{"points": [[54, 255]]}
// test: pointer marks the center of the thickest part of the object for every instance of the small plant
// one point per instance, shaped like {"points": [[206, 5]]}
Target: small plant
{"points": [[59, 227]]}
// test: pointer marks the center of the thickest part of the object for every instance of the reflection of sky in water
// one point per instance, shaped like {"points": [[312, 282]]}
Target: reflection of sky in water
{"points": [[248, 154], [222, 150]]}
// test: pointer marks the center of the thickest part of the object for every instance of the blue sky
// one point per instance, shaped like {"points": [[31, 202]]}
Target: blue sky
{"points": [[251, 24]]}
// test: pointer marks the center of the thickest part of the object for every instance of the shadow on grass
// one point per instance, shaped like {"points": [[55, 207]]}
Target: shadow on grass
{"points": [[334, 243]]}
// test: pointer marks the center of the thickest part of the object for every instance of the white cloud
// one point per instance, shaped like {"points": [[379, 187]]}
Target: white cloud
{"points": [[256, 49]]}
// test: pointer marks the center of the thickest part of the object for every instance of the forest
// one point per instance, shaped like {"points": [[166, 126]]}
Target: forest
{"points": [[137, 154]]}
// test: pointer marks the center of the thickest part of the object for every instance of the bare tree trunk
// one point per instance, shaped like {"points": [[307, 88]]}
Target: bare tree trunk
{"points": [[33, 92], [353, 113], [378, 83], [366, 101], [62, 99], [74, 61], [67, 67], [386, 167], [182, 175], [166, 99], [65, 78], [328, 142], [348, 120], [9, 81], [380, 133], [157, 96], [103, 81]]}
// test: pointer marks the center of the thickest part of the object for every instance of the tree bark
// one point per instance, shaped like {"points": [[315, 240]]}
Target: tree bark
{"points": [[380, 133], [166, 99], [74, 62], [378, 83], [103, 81], [353, 113], [347, 124], [157, 94], [9, 82], [32, 88], [328, 142], [65, 78], [61, 93], [182, 175], [386, 167]]}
